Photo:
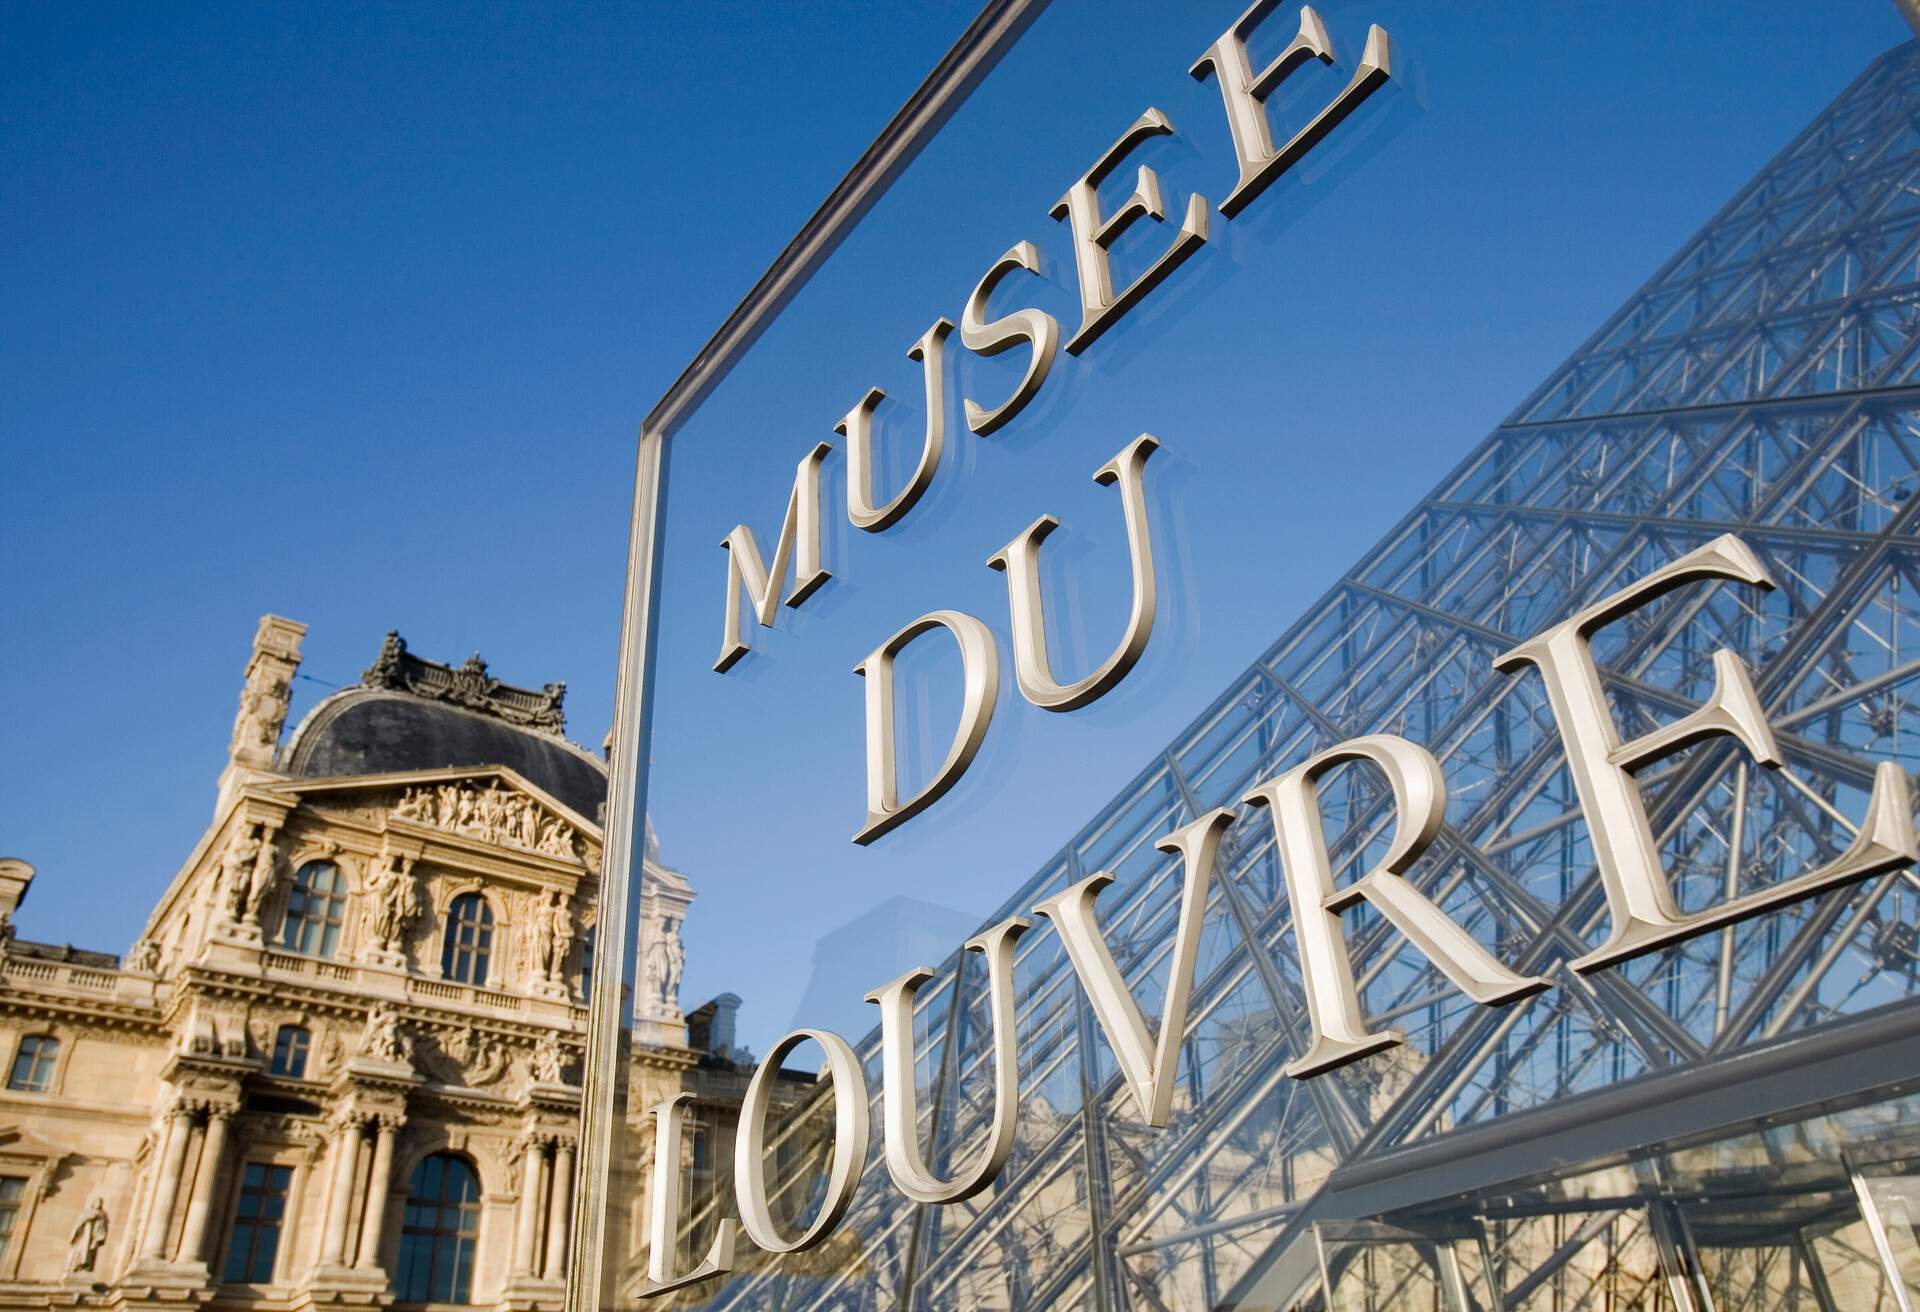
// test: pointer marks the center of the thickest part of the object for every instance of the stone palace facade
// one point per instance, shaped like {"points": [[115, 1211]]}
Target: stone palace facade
{"points": [[341, 1063]]}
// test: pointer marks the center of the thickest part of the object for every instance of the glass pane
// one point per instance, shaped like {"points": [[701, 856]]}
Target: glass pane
{"points": [[902, 692]]}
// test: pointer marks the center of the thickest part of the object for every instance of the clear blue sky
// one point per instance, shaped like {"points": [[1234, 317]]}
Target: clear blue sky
{"points": [[350, 313]]}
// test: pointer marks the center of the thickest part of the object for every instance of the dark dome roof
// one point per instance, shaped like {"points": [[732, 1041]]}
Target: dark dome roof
{"points": [[374, 731]]}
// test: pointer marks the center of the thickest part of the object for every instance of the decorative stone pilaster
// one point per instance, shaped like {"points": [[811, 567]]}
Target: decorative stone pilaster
{"points": [[545, 1211], [665, 896], [162, 1273], [264, 698]]}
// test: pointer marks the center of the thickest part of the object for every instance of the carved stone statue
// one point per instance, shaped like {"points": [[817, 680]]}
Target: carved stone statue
{"points": [[145, 957], [263, 710], [260, 877], [235, 880], [548, 918], [472, 1058], [562, 937], [382, 1040], [675, 967], [549, 1061], [89, 1237], [665, 963], [389, 901]]}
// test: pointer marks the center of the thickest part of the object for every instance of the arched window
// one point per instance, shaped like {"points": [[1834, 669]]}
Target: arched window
{"points": [[290, 1047], [469, 940], [437, 1237], [316, 908], [33, 1064]]}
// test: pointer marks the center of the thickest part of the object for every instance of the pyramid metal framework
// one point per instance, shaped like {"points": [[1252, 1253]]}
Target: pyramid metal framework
{"points": [[1766, 382]]}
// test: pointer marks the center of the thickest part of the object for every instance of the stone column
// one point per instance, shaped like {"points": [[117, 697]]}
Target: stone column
{"points": [[173, 1157], [560, 1210], [346, 1162], [213, 1154], [378, 1184], [532, 1160]]}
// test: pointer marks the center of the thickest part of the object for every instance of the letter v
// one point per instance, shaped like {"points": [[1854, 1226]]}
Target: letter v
{"points": [[1147, 1064]]}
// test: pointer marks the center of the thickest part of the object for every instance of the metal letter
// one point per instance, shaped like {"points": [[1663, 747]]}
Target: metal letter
{"points": [[1147, 1063], [1019, 560], [1246, 95], [1340, 1033], [858, 428], [1094, 235], [1639, 896], [1006, 332], [663, 1231], [980, 668], [898, 1096], [746, 569], [849, 1142]]}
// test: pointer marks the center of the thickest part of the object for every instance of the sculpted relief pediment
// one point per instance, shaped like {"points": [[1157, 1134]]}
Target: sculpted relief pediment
{"points": [[490, 813]]}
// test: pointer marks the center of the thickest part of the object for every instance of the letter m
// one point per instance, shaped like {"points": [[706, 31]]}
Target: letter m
{"points": [[747, 570]]}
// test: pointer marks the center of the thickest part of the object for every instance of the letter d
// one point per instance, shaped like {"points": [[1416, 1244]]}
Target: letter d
{"points": [[980, 666]]}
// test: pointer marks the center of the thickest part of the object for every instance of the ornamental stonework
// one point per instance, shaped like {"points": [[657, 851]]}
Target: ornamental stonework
{"points": [[491, 814]]}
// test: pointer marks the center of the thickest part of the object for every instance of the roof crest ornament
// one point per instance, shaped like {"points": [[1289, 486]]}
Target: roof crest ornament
{"points": [[469, 685]]}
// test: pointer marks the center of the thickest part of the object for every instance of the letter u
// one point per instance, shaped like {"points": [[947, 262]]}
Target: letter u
{"points": [[899, 1102], [1019, 560]]}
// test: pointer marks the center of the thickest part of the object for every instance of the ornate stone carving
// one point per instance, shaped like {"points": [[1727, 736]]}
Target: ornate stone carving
{"points": [[664, 899], [470, 685], [552, 941], [549, 1063], [88, 1238], [382, 1039], [389, 906], [492, 814], [469, 1057], [666, 962], [267, 691], [233, 884], [266, 865]]}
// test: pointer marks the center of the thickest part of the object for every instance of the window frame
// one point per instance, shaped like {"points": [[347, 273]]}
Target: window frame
{"points": [[470, 961], [298, 1053], [334, 923], [33, 1160], [441, 1244], [54, 1065], [240, 1194]]}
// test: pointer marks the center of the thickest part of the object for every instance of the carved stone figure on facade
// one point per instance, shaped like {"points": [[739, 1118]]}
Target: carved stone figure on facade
{"points": [[89, 1237], [493, 813], [416, 804], [383, 1040], [263, 710], [389, 667], [549, 1060], [472, 1058], [547, 916], [260, 877], [144, 957], [235, 877], [665, 962], [562, 938], [390, 902], [556, 837]]}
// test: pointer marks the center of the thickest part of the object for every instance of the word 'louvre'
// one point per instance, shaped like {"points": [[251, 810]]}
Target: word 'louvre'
{"points": [[1643, 916]]}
